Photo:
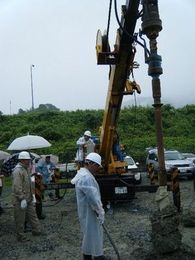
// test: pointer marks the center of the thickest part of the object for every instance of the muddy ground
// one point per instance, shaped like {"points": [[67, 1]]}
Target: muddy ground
{"points": [[128, 225]]}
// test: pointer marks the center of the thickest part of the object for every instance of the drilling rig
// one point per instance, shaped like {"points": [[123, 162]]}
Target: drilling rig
{"points": [[115, 181]]}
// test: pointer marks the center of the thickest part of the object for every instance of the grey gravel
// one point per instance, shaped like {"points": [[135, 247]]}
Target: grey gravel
{"points": [[128, 225]]}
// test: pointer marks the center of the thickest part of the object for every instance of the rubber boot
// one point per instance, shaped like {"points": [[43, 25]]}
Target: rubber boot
{"points": [[57, 194], [1, 210], [39, 211], [87, 257]]}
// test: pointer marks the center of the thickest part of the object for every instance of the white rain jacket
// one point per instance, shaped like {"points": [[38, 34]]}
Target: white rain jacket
{"points": [[89, 206], [83, 152]]}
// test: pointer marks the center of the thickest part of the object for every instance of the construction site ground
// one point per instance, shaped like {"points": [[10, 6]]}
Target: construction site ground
{"points": [[128, 225]]}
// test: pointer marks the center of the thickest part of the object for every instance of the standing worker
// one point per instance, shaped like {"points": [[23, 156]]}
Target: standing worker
{"points": [[90, 209], [1, 188], [23, 196], [85, 146], [45, 168]]}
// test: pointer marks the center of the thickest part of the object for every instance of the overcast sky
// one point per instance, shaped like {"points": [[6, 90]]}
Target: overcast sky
{"points": [[59, 37]]}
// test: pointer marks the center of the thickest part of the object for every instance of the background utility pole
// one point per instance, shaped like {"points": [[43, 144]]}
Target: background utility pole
{"points": [[31, 81], [151, 26]]}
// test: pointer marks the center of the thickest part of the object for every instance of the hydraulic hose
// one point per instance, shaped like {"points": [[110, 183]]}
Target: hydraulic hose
{"points": [[112, 242]]}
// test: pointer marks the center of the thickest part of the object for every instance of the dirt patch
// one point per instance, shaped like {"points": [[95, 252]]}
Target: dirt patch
{"points": [[128, 225]]}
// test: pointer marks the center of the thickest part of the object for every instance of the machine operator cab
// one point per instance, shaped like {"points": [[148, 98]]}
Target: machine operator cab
{"points": [[133, 167]]}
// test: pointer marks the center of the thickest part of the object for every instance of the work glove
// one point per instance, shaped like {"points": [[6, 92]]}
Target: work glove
{"points": [[34, 200], [100, 216], [32, 178], [23, 204]]}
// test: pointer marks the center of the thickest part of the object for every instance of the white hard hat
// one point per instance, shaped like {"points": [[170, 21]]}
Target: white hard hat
{"points": [[87, 133], [94, 157], [24, 156]]}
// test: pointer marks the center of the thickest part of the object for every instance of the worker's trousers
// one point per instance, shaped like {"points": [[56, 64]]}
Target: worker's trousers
{"points": [[22, 215]]}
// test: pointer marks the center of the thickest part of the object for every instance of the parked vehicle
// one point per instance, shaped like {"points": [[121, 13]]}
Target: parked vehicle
{"points": [[190, 157], [67, 169], [172, 158], [133, 167]]}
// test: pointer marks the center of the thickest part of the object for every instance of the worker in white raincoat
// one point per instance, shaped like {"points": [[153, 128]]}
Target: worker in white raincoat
{"points": [[90, 209], [85, 146]]}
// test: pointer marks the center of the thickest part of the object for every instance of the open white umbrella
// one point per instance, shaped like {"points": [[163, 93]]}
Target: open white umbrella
{"points": [[35, 155], [4, 155], [28, 142]]}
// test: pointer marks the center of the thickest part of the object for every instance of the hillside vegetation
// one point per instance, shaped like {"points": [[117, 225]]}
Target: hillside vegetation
{"points": [[136, 128]]}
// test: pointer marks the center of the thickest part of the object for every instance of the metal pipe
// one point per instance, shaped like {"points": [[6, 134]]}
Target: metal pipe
{"points": [[31, 81], [151, 26]]}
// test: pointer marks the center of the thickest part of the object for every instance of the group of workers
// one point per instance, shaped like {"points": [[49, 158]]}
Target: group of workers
{"points": [[90, 209]]}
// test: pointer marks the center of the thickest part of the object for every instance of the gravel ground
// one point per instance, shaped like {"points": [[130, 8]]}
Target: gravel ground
{"points": [[128, 224]]}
